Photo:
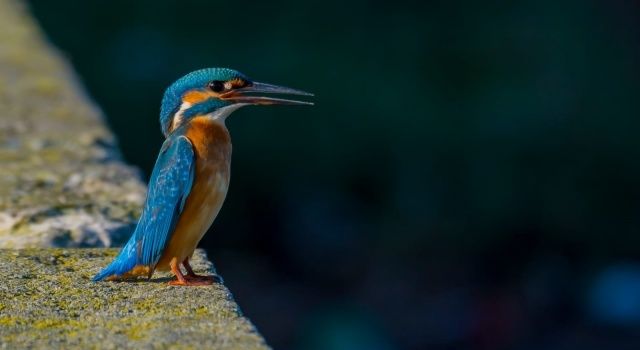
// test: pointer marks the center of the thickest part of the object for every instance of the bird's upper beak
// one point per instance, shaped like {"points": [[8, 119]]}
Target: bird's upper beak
{"points": [[250, 95]]}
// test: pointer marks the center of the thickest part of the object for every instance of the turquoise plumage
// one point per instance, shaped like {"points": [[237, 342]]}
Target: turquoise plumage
{"points": [[190, 178], [169, 187]]}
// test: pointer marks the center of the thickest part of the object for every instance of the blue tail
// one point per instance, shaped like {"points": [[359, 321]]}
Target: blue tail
{"points": [[124, 262]]}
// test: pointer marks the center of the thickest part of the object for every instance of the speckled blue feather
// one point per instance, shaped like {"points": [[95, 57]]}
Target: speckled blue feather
{"points": [[195, 80], [170, 184]]}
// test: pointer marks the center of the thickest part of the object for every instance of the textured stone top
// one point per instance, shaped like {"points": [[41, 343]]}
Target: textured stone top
{"points": [[61, 181], [47, 300], [63, 184]]}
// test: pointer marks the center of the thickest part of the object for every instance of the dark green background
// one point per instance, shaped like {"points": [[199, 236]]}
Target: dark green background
{"points": [[468, 177]]}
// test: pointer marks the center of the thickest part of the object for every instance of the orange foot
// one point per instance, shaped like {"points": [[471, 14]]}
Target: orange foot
{"points": [[190, 279], [197, 278], [190, 282]]}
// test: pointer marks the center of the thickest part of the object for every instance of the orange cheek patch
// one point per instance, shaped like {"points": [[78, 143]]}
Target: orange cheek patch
{"points": [[196, 96]]}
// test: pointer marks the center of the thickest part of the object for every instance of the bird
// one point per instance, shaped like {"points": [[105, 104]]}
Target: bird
{"points": [[190, 178]]}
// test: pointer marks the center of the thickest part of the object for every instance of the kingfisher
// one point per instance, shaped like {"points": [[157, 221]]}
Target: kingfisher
{"points": [[190, 179]]}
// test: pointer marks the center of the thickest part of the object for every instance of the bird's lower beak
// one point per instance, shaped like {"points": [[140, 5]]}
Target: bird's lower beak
{"points": [[248, 95]]}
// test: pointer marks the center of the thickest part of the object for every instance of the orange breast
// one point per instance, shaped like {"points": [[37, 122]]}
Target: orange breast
{"points": [[212, 145]]}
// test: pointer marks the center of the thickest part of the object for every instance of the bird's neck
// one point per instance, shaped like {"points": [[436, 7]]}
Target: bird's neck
{"points": [[209, 137], [190, 111]]}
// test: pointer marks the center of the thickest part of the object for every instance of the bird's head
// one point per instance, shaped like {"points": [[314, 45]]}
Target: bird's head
{"points": [[216, 92]]}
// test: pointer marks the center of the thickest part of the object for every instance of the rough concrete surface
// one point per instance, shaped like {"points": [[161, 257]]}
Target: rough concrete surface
{"points": [[62, 183], [47, 300]]}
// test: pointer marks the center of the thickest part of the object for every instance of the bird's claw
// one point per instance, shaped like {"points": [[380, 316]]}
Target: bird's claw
{"points": [[187, 282], [196, 280], [195, 277]]}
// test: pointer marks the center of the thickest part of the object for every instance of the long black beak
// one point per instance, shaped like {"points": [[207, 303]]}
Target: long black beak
{"points": [[246, 95]]}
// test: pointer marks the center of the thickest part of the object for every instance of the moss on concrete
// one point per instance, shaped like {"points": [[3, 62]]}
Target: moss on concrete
{"points": [[62, 182], [47, 300]]}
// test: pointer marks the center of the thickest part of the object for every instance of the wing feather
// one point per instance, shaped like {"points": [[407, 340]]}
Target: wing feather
{"points": [[169, 187]]}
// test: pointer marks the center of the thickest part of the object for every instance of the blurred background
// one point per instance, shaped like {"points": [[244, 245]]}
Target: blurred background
{"points": [[468, 177]]}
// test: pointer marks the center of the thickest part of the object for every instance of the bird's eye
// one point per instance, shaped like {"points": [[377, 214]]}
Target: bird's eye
{"points": [[216, 86]]}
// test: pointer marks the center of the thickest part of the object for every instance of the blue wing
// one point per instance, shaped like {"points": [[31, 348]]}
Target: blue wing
{"points": [[169, 188]]}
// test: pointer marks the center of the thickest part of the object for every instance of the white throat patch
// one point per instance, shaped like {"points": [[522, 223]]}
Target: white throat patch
{"points": [[219, 114]]}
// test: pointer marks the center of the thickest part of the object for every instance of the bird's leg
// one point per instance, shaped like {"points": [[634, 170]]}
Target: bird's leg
{"points": [[191, 276], [175, 268], [182, 280]]}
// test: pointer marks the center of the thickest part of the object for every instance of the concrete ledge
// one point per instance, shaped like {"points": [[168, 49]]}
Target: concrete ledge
{"points": [[62, 182], [47, 300]]}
